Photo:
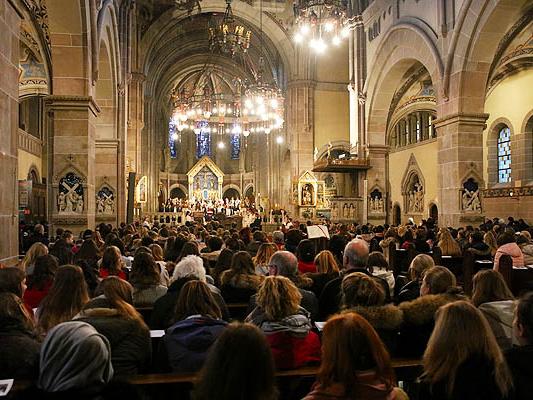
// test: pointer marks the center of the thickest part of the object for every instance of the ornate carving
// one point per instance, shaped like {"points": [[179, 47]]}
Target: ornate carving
{"points": [[70, 195], [105, 201], [470, 201], [39, 13]]}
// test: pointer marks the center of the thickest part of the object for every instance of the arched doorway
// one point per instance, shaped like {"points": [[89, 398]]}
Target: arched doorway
{"points": [[434, 212], [396, 215], [177, 193], [231, 193]]}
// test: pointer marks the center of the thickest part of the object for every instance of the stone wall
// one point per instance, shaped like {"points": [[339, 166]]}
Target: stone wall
{"points": [[9, 59]]}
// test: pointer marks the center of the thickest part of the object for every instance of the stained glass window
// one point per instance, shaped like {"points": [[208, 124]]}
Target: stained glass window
{"points": [[235, 141], [172, 133], [203, 140], [504, 155]]}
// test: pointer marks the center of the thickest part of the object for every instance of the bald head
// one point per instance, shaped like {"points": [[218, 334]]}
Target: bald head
{"points": [[356, 254], [285, 263]]}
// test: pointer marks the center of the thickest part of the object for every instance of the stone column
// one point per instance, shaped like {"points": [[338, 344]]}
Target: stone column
{"points": [[135, 121], [71, 133], [460, 139], [9, 60]]}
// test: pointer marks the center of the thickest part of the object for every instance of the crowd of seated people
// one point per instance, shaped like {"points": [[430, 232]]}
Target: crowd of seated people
{"points": [[73, 319]]}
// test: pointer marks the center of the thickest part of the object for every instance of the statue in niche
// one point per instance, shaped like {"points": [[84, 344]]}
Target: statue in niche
{"points": [[105, 202], [345, 211], [70, 196], [415, 197], [307, 194], [470, 198], [376, 204], [419, 198], [334, 211], [352, 211]]}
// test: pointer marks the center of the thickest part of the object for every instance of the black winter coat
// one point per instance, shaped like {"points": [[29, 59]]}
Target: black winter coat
{"points": [[19, 351], [519, 361]]}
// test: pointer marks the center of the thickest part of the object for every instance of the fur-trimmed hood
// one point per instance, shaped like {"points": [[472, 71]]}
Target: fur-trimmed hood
{"points": [[242, 281], [387, 317], [422, 310]]}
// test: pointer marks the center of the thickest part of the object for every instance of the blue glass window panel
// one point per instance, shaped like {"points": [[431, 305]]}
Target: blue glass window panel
{"points": [[235, 141], [203, 140], [172, 129], [504, 155]]}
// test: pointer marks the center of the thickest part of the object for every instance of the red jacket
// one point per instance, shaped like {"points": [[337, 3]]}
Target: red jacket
{"points": [[305, 267], [33, 297], [104, 273], [293, 352]]}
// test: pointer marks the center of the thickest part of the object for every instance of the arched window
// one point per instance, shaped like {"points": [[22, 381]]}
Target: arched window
{"points": [[413, 128], [504, 155]]}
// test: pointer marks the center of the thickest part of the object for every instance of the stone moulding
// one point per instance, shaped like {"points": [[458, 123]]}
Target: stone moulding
{"points": [[508, 192]]}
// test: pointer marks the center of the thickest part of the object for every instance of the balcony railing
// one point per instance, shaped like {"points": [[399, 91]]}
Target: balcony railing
{"points": [[30, 143]]}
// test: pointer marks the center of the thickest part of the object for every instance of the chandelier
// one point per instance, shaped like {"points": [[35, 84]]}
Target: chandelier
{"points": [[321, 22], [227, 36]]}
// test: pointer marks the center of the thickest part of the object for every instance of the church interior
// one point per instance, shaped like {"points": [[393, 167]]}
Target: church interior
{"points": [[171, 166]]}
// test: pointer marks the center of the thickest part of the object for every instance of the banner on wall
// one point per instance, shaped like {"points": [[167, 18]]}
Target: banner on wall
{"points": [[25, 188]]}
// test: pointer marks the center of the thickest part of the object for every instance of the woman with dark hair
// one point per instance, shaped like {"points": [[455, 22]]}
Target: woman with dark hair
{"points": [[223, 263], [408, 239], [197, 325], [286, 325], [355, 364], [189, 248], [13, 280], [240, 281], [507, 246], [19, 348], [337, 243], [305, 251], [378, 266], [365, 296], [146, 280], [112, 263], [494, 299], [113, 315], [462, 360], [41, 281], [88, 252], [62, 251], [239, 366], [66, 298], [90, 275], [245, 234]]}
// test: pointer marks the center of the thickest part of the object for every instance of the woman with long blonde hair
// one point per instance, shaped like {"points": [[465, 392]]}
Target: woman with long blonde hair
{"points": [[328, 269], [286, 325], [462, 359], [261, 259], [28, 262], [490, 240], [447, 244]]}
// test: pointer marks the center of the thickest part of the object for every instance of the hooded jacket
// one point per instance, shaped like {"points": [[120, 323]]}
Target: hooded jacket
{"points": [[386, 320], [187, 342], [131, 347], [500, 316], [19, 350], [512, 250], [419, 320]]}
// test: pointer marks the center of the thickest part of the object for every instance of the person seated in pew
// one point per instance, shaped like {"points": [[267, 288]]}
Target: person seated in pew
{"points": [[419, 265], [239, 366], [113, 315], [189, 268], [284, 263], [477, 246], [519, 357], [198, 324], [19, 343], [447, 244], [146, 280], [507, 245], [438, 288], [378, 266], [240, 281], [327, 268], [365, 296], [306, 256], [494, 299], [286, 325], [524, 242], [261, 259], [355, 363], [462, 360], [355, 259]]}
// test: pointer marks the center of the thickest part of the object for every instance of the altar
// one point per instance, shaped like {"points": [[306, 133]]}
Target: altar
{"points": [[205, 181]]}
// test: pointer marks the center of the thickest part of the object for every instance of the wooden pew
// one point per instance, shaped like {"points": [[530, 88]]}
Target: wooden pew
{"points": [[518, 279]]}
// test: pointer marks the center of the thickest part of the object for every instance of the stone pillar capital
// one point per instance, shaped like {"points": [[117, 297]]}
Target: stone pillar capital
{"points": [[65, 103], [462, 118]]}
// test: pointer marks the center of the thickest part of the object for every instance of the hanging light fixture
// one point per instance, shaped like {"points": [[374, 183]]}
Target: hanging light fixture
{"points": [[228, 36], [262, 99], [320, 23]]}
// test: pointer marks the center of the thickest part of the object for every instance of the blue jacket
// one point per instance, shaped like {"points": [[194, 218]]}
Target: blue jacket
{"points": [[187, 342]]}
